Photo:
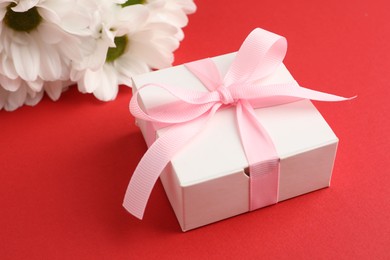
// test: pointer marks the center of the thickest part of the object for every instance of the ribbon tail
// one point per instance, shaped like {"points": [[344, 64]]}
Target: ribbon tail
{"points": [[276, 92], [156, 159], [262, 158], [307, 93]]}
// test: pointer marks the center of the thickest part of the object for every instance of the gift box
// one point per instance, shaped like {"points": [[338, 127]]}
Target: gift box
{"points": [[209, 176]]}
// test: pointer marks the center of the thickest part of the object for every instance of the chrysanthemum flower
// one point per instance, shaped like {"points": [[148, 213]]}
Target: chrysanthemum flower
{"points": [[39, 39], [139, 45], [45, 45]]}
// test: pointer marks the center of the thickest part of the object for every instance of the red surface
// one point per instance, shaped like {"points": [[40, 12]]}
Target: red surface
{"points": [[65, 165]]}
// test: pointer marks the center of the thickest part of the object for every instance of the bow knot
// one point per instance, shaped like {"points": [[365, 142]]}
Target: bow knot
{"points": [[225, 95]]}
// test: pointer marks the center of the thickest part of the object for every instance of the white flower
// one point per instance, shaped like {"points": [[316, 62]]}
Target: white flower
{"points": [[140, 44], [46, 45], [39, 39], [36, 41]]}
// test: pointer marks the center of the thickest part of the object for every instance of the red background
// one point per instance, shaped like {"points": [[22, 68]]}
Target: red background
{"points": [[64, 166]]}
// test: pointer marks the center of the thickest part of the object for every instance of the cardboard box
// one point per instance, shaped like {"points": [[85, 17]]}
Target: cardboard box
{"points": [[206, 181]]}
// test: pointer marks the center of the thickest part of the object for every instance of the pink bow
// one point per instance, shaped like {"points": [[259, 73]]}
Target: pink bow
{"points": [[259, 56]]}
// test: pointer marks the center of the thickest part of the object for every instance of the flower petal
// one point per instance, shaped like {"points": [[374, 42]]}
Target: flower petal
{"points": [[128, 67], [25, 5], [108, 36], [53, 89], [50, 63], [15, 99], [50, 33], [3, 97], [3, 11], [26, 59], [151, 55], [91, 81], [98, 58], [7, 68], [35, 85], [77, 21], [49, 14], [108, 88], [70, 50], [130, 18], [10, 84], [33, 98]]}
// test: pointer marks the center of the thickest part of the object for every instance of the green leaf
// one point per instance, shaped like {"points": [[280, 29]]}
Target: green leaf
{"points": [[133, 2]]}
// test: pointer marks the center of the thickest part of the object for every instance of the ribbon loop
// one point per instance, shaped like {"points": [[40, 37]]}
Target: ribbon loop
{"points": [[256, 58]]}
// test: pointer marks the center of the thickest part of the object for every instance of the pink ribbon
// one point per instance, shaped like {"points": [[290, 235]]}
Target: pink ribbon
{"points": [[259, 56]]}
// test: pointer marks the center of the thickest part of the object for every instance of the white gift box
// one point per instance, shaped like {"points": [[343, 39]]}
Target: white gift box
{"points": [[207, 181]]}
